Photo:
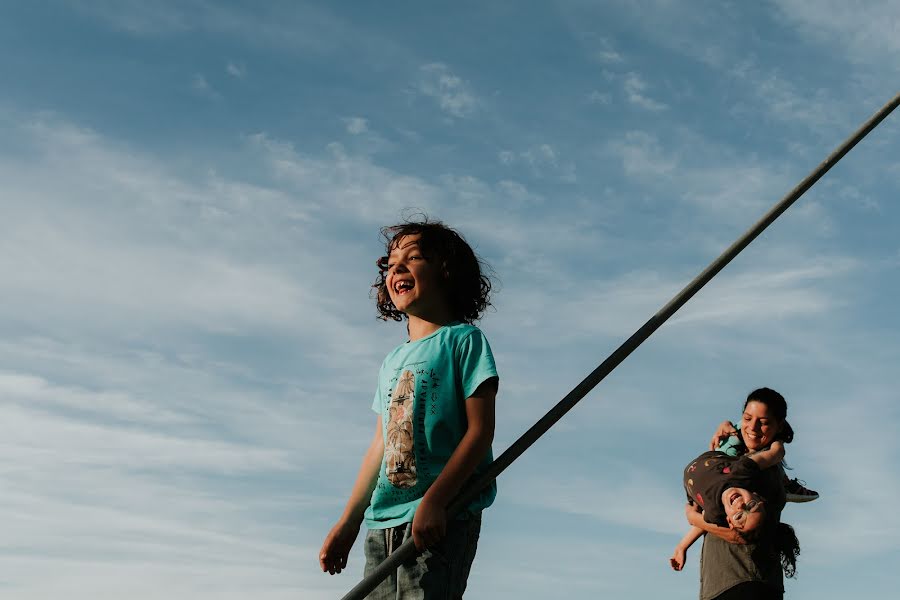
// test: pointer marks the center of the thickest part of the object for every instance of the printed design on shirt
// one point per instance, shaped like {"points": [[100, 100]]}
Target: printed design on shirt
{"points": [[399, 458]]}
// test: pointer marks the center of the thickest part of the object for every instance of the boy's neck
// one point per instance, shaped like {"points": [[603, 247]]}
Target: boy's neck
{"points": [[420, 327]]}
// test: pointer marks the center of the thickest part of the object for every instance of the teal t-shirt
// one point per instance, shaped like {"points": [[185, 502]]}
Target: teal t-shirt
{"points": [[422, 389]]}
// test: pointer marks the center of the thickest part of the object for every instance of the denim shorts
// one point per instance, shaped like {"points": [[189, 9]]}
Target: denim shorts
{"points": [[439, 573]]}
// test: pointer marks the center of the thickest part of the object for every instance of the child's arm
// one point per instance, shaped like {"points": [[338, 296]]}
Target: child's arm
{"points": [[430, 522], [695, 518], [678, 558], [337, 544], [770, 457], [724, 431]]}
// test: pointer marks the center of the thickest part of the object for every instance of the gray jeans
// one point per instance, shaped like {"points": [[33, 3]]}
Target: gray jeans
{"points": [[439, 573]]}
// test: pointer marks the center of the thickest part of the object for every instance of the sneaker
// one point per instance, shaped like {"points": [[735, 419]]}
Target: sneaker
{"points": [[798, 492]]}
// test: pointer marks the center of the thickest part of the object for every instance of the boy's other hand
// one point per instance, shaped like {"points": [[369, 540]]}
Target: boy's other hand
{"points": [[429, 525], [678, 558], [336, 547]]}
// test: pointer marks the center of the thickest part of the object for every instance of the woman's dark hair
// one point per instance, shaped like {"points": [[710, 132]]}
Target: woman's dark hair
{"points": [[465, 283], [778, 407], [788, 547]]}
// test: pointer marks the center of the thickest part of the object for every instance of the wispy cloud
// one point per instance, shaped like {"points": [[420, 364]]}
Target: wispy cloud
{"points": [[867, 30], [598, 97], [635, 89], [140, 18], [643, 155], [453, 95], [356, 125], [541, 160], [237, 70], [202, 87]]}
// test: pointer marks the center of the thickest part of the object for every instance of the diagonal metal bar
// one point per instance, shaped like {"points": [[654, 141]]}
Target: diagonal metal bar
{"points": [[408, 550]]}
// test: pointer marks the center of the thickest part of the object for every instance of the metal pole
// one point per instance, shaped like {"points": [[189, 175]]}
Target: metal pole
{"points": [[407, 550]]}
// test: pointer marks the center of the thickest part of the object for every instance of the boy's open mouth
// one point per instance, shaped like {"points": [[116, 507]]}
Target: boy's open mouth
{"points": [[403, 286], [733, 497]]}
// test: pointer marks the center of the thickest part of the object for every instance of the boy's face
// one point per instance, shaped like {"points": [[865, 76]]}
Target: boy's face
{"points": [[744, 509], [414, 284]]}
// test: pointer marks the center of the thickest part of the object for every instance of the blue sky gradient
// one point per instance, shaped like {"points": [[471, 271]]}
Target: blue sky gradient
{"points": [[191, 197]]}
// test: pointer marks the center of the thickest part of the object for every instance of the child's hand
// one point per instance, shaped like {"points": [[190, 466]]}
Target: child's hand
{"points": [[726, 429], [429, 524], [678, 558], [336, 547]]}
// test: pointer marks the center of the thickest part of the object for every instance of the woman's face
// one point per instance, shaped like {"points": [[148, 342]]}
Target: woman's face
{"points": [[758, 427], [745, 510]]}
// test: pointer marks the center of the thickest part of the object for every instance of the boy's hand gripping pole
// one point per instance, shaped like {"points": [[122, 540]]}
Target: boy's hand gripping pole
{"points": [[408, 549]]}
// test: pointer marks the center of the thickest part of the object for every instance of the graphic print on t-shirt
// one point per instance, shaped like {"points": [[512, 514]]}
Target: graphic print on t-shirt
{"points": [[399, 458]]}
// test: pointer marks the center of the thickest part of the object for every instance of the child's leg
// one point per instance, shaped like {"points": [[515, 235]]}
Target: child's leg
{"points": [[441, 571], [796, 490], [379, 545]]}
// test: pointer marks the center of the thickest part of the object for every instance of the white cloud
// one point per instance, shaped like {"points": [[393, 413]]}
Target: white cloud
{"points": [[356, 125], [202, 87], [542, 161], [453, 95], [642, 155], [598, 97], [237, 70], [867, 29], [653, 505], [635, 88], [140, 18]]}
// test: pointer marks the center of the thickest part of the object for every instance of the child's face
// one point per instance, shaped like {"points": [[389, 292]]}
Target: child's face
{"points": [[744, 509], [414, 284]]}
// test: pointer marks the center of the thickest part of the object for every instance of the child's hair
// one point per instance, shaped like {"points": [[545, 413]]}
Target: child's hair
{"points": [[465, 283], [784, 541], [788, 547], [778, 405]]}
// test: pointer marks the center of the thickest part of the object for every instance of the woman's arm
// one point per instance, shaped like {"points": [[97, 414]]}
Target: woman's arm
{"points": [[769, 457], [695, 518], [430, 520]]}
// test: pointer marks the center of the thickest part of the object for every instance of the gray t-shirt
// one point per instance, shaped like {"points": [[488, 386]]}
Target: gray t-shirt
{"points": [[724, 565]]}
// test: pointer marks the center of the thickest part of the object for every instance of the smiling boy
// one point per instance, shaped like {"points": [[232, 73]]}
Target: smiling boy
{"points": [[435, 405]]}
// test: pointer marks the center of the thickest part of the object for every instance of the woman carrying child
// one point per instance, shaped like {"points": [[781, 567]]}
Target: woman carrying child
{"points": [[736, 565]]}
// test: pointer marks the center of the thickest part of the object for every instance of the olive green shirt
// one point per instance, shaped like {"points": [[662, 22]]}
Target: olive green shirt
{"points": [[724, 565]]}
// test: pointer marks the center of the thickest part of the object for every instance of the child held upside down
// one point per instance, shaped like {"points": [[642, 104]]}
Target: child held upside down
{"points": [[723, 487]]}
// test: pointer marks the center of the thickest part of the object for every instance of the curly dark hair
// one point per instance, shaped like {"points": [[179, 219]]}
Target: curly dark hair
{"points": [[788, 547], [784, 541], [467, 286]]}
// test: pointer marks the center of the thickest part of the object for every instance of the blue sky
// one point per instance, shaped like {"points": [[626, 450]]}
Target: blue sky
{"points": [[191, 196]]}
